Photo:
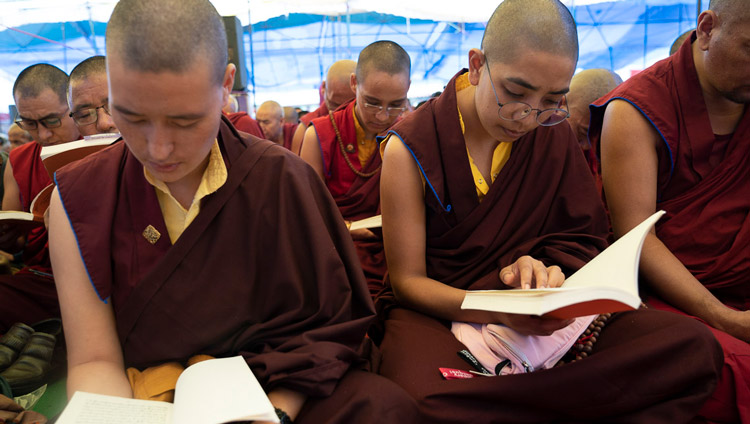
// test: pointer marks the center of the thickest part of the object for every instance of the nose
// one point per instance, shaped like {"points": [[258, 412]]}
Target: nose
{"points": [[44, 134], [160, 144], [104, 122]]}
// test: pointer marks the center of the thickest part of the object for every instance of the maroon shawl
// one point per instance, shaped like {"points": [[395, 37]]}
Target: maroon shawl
{"points": [[32, 177], [543, 203], [266, 270], [706, 225]]}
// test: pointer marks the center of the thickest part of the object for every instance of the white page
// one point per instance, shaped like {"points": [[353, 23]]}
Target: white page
{"points": [[371, 222], [616, 266], [218, 391], [90, 408]]}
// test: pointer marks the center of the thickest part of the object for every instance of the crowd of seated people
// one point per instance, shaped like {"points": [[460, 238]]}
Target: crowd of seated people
{"points": [[206, 230]]}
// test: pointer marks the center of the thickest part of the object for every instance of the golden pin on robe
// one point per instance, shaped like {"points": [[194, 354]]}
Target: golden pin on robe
{"points": [[151, 234]]}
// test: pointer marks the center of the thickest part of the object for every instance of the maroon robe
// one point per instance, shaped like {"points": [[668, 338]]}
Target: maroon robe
{"points": [[266, 270], [29, 295], [707, 225], [543, 203], [356, 197], [244, 122], [288, 134], [307, 118]]}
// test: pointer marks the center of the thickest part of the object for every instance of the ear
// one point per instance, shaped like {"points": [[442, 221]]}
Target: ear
{"points": [[228, 82], [476, 62], [708, 24], [353, 83]]}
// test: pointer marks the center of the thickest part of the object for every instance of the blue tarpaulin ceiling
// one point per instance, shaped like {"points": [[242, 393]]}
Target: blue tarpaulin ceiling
{"points": [[287, 55]]}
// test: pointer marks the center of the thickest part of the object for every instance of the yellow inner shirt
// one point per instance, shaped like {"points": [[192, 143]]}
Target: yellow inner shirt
{"points": [[499, 157], [176, 217], [365, 147]]}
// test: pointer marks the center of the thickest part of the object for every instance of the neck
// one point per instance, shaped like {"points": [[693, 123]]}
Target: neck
{"points": [[474, 132], [184, 189], [723, 113]]}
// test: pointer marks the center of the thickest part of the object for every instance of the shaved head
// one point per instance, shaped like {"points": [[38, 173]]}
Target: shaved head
{"points": [[35, 79], [272, 108], [91, 66], [337, 88], [730, 11], [592, 84], [167, 35], [519, 25], [384, 56]]}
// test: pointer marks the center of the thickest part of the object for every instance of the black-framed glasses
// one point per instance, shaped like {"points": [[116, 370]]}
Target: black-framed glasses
{"points": [[32, 124], [515, 111], [390, 111], [88, 116]]}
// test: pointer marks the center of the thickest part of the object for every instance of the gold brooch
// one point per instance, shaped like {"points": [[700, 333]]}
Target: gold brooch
{"points": [[151, 234]]}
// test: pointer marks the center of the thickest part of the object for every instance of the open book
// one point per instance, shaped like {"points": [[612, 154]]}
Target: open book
{"points": [[59, 155], [608, 283], [210, 392], [371, 222]]}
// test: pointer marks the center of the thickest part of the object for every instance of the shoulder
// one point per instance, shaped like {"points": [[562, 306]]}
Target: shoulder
{"points": [[25, 152], [100, 164]]}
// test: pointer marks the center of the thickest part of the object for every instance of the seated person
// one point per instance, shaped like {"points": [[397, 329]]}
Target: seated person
{"points": [[485, 187], [270, 117], [18, 136], [585, 87], [200, 263], [677, 137], [88, 97], [341, 147], [337, 90], [40, 94]]}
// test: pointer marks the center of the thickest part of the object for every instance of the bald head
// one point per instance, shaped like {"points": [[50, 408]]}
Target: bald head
{"points": [[519, 25], [384, 56], [95, 65], [730, 11], [337, 88], [585, 87], [167, 35], [270, 117], [35, 79], [592, 84]]}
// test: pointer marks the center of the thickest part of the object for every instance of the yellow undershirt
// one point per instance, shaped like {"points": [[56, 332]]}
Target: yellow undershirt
{"points": [[176, 217], [365, 147], [499, 157]]}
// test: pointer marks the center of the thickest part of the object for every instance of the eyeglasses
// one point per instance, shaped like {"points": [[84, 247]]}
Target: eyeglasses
{"points": [[32, 124], [88, 116], [515, 111], [390, 111]]}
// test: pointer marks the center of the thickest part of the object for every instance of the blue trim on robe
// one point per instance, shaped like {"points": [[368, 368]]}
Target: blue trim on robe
{"points": [[54, 178], [447, 209], [669, 149]]}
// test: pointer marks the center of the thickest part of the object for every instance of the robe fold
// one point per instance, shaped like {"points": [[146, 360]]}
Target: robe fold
{"points": [[29, 295], [307, 118], [356, 197], [288, 134], [266, 270], [543, 203], [707, 224]]}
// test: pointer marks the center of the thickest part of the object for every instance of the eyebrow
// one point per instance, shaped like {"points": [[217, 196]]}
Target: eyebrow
{"points": [[187, 117], [51, 115], [525, 84], [90, 105]]}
